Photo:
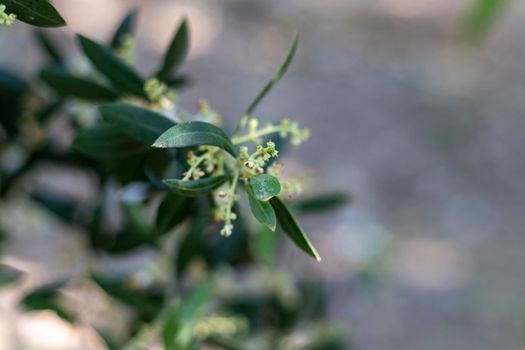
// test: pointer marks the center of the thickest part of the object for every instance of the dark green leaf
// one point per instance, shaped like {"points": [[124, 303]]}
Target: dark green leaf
{"points": [[49, 47], [179, 82], [264, 186], [8, 275], [62, 208], [290, 226], [190, 245], [139, 123], [46, 298], [148, 301], [176, 52], [47, 111], [172, 210], [262, 211], [39, 13], [116, 70], [179, 321], [265, 245], [195, 134], [105, 142], [68, 85], [276, 77], [195, 187], [12, 89], [126, 27], [320, 203]]}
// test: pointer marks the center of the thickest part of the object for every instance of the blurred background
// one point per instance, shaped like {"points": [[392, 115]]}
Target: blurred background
{"points": [[423, 127]]}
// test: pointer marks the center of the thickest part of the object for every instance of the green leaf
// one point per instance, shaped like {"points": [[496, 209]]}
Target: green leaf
{"points": [[68, 85], [105, 142], [321, 202], [49, 47], [46, 298], [113, 68], [179, 322], [176, 52], [148, 301], [39, 13], [265, 245], [126, 27], [139, 123], [481, 17], [61, 207], [193, 188], [195, 134], [262, 211], [290, 226], [8, 275], [179, 81], [172, 211], [191, 244], [276, 77], [264, 186]]}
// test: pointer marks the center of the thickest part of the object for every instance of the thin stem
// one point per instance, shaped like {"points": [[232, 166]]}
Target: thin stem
{"points": [[194, 166], [232, 195], [255, 135]]}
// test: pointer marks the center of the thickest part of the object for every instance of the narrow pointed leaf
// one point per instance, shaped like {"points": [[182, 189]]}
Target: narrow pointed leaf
{"points": [[46, 298], [180, 319], [117, 71], [172, 210], [39, 13], [176, 52], [195, 134], [276, 77], [262, 211], [264, 186], [290, 226], [49, 47], [195, 187], [126, 27], [68, 85], [104, 142], [139, 123]]}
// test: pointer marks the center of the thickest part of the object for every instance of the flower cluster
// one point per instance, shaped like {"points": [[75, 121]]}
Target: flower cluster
{"points": [[224, 198], [159, 93], [204, 164], [126, 48], [5, 18], [254, 163]]}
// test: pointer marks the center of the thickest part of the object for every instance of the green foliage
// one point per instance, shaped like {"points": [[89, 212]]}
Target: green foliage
{"points": [[290, 226], [196, 187], [67, 85], [39, 13], [481, 18], [261, 210], [185, 175], [264, 186], [176, 52], [136, 122], [195, 133], [120, 74], [125, 29]]}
